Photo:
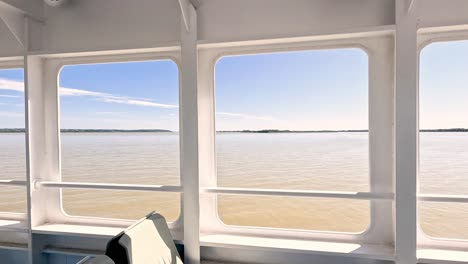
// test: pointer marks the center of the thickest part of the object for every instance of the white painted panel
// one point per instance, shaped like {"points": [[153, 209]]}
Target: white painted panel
{"points": [[406, 133], [87, 25], [228, 20], [189, 139], [433, 13], [31, 6], [8, 45]]}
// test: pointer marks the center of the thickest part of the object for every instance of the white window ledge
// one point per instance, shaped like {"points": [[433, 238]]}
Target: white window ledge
{"points": [[438, 256], [91, 231], [77, 230], [13, 225], [368, 251]]}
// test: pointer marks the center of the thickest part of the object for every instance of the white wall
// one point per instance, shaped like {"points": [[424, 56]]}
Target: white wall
{"points": [[90, 25], [85, 25], [120, 24], [435, 13], [253, 19], [9, 47]]}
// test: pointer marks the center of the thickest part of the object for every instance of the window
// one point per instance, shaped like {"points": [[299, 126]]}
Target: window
{"points": [[12, 140], [119, 125], [443, 139], [295, 121]]}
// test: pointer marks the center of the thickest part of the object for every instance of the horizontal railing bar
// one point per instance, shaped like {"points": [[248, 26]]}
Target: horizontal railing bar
{"points": [[442, 198], [301, 193], [108, 186], [12, 183]]}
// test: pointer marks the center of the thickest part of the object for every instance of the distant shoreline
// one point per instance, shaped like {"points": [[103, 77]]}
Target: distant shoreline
{"points": [[264, 131], [21, 130]]}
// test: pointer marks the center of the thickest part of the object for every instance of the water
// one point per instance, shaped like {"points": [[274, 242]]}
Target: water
{"points": [[325, 161]]}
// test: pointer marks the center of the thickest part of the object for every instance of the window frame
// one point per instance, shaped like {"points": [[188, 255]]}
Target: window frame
{"points": [[5, 64], [53, 67], [427, 37], [376, 48]]}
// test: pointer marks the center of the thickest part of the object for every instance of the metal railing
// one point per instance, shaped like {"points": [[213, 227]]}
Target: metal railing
{"points": [[301, 193], [107, 186]]}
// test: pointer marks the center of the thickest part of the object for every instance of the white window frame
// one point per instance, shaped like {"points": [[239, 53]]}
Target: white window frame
{"points": [[380, 50], [5, 64], [427, 37], [52, 68]]}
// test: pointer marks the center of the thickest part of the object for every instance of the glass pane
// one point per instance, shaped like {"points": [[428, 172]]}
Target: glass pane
{"points": [[126, 157], [293, 120], [13, 199], [295, 213], [444, 220], [120, 204], [12, 139], [294, 161], [120, 124], [443, 164]]}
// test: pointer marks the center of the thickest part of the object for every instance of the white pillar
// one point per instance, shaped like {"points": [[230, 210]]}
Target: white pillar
{"points": [[189, 137], [406, 134]]}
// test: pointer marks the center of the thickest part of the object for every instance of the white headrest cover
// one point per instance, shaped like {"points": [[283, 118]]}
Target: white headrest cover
{"points": [[150, 242]]}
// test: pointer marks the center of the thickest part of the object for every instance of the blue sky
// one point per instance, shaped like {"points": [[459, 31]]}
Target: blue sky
{"points": [[322, 89], [443, 85], [11, 98]]}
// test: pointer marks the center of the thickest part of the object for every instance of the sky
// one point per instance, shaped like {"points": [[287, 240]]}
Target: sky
{"points": [[443, 85], [304, 90]]}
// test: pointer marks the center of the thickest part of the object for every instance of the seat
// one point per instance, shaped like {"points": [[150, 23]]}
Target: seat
{"points": [[148, 241]]}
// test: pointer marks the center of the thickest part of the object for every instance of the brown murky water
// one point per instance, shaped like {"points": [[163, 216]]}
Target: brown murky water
{"points": [[327, 161]]}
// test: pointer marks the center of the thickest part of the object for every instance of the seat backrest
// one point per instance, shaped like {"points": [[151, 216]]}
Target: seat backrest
{"points": [[115, 251], [150, 242]]}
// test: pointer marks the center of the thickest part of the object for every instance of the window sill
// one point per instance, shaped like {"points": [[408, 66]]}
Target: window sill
{"points": [[13, 225], [438, 256], [78, 230], [90, 231], [368, 251]]}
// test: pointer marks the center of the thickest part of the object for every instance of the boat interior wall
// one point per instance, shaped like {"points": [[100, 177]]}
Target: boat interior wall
{"points": [[390, 33], [148, 23]]}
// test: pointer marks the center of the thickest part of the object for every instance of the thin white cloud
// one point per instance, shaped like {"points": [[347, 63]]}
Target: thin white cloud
{"points": [[111, 113], [77, 92], [12, 85], [10, 104], [9, 96], [267, 118], [135, 102], [11, 114]]}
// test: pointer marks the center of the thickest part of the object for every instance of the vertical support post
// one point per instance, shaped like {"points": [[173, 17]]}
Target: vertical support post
{"points": [[41, 112], [26, 140], [43, 153], [406, 134], [189, 137], [35, 123]]}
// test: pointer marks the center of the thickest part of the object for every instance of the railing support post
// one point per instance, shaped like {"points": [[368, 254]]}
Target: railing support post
{"points": [[406, 134], [189, 136]]}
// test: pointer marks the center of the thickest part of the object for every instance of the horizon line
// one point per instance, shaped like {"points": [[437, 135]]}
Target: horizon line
{"points": [[108, 130]]}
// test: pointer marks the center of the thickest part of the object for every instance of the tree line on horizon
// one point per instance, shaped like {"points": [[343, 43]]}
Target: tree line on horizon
{"points": [[265, 131]]}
